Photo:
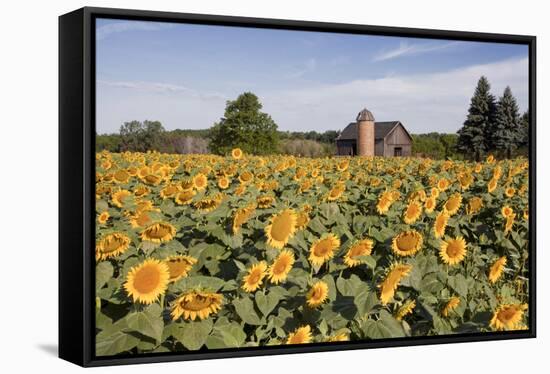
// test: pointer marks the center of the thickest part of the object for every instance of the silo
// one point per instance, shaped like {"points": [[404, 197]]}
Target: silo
{"points": [[365, 133]]}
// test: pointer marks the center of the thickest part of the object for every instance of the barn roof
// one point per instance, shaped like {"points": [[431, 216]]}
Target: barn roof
{"points": [[381, 130]]}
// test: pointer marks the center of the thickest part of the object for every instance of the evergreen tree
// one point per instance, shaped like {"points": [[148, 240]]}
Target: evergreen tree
{"points": [[506, 135], [244, 126], [524, 130], [473, 137]]}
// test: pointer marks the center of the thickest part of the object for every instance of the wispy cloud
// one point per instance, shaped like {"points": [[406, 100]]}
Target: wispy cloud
{"points": [[162, 88], [424, 102], [299, 71], [104, 31], [410, 49]]}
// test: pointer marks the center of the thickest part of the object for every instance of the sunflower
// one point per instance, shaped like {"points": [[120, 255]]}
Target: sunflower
{"points": [[302, 220], [121, 176], [195, 304], [451, 305], [241, 216], [318, 294], [340, 337], [265, 201], [281, 228], [385, 200], [140, 219], [510, 191], [452, 205], [507, 211], [169, 191], [443, 184], [492, 185], [223, 183], [253, 280], [440, 224], [336, 192], [509, 223], [187, 184], [152, 179], [119, 198], [323, 249], [209, 204], [246, 177], [508, 317], [147, 281], [158, 232], [236, 153], [474, 205], [240, 190], [179, 266], [301, 335], [465, 181], [407, 243], [141, 191], [185, 197], [112, 245], [405, 309], [412, 213], [145, 206], [360, 248], [495, 272], [430, 204], [278, 271], [200, 181], [390, 283], [453, 251], [103, 218]]}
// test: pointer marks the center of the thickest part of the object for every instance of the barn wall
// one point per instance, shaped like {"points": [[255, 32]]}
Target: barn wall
{"points": [[345, 147], [379, 148], [398, 138]]}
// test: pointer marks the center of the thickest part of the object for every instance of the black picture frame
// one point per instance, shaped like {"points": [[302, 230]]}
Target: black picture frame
{"points": [[77, 182]]}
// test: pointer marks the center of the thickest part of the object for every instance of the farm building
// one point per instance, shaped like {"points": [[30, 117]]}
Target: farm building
{"points": [[365, 137]]}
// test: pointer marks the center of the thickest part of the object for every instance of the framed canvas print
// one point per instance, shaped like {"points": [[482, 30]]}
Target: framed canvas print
{"points": [[235, 186]]}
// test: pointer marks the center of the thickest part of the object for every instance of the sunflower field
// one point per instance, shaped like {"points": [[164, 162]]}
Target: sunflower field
{"points": [[207, 252]]}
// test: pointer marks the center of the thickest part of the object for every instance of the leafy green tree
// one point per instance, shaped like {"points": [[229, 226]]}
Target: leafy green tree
{"points": [[473, 136], [142, 136], [244, 126], [506, 134]]}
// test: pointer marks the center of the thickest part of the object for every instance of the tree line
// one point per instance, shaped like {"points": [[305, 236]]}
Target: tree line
{"points": [[493, 126]]}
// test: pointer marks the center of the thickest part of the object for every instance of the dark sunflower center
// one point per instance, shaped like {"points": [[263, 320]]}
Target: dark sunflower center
{"points": [[406, 242], [323, 248], [199, 302], [281, 227], [453, 249]]}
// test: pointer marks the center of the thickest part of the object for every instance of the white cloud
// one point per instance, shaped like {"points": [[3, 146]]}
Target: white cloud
{"points": [[104, 31], [408, 49], [423, 102]]}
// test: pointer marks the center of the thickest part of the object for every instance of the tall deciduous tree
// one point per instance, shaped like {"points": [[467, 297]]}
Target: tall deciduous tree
{"points": [[473, 136], [244, 126], [506, 132]]}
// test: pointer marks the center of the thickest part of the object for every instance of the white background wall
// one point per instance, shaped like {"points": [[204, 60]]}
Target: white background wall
{"points": [[28, 183]]}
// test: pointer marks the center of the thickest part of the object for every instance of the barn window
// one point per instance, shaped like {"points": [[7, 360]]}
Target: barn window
{"points": [[397, 151]]}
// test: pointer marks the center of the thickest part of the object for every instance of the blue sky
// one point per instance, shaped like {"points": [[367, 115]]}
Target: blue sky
{"points": [[182, 75]]}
